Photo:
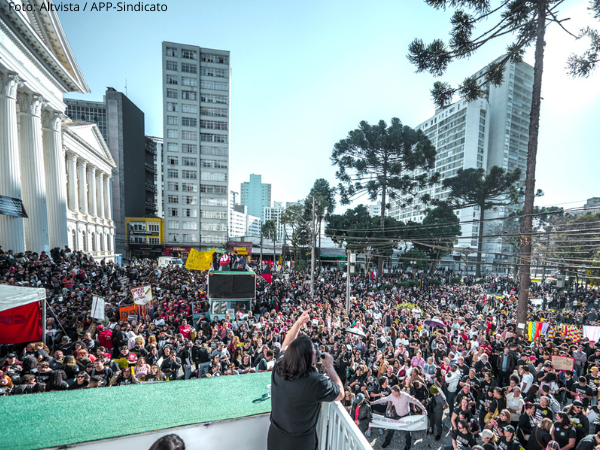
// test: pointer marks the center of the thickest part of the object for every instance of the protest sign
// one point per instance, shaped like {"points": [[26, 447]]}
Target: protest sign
{"points": [[199, 260], [562, 362], [142, 295], [126, 311], [98, 307], [408, 423]]}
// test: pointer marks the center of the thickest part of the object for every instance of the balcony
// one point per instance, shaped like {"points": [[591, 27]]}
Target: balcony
{"points": [[201, 424], [150, 168]]}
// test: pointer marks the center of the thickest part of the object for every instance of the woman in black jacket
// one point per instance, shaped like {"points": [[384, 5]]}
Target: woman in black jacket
{"points": [[526, 424], [540, 436], [361, 413]]}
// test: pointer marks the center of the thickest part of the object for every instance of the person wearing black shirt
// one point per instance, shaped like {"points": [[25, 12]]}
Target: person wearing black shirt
{"points": [[526, 424], [564, 432], [462, 438], [103, 372], [81, 382], [589, 442], [298, 391], [381, 389], [540, 436], [579, 420], [543, 411], [582, 391], [508, 441]]}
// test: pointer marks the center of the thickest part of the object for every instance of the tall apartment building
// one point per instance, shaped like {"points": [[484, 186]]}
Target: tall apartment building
{"points": [[486, 132], [256, 195], [121, 123], [160, 177], [274, 213], [196, 95]]}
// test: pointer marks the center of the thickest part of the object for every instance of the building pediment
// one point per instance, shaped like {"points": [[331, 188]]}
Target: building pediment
{"points": [[37, 25], [88, 136]]}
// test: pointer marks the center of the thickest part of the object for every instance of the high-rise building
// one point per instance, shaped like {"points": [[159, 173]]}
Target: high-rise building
{"points": [[196, 95], [133, 186], [256, 195], [274, 214], [160, 177], [490, 131]]}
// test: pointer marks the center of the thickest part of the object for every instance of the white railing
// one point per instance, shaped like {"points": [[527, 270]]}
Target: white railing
{"points": [[337, 431]]}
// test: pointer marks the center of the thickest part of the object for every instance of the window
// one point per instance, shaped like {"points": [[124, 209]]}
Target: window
{"points": [[153, 241], [210, 98], [214, 227], [212, 176], [171, 120], [172, 160], [172, 107], [172, 51], [207, 137], [190, 226], [172, 93], [214, 112], [173, 212], [173, 199], [211, 239], [187, 161], [215, 85], [212, 58], [212, 72], [172, 224], [173, 238], [171, 186], [212, 189], [187, 81], [208, 214], [189, 121], [190, 238], [190, 200], [187, 212], [189, 54], [216, 151], [172, 79], [134, 239], [189, 68], [213, 163], [213, 124], [189, 187], [189, 148], [171, 65], [189, 95], [187, 108], [213, 201], [172, 134], [172, 147], [189, 174], [172, 173], [189, 135]]}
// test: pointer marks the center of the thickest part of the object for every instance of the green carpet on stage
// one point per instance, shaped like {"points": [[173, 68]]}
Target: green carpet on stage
{"points": [[61, 418]]}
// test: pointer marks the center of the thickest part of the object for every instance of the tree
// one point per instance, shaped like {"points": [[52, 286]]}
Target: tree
{"points": [[324, 196], [415, 258], [527, 21], [269, 231], [463, 255], [378, 160], [473, 187], [362, 233], [435, 236], [293, 217]]}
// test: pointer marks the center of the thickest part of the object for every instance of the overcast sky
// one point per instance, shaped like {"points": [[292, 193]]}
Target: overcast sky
{"points": [[305, 73]]}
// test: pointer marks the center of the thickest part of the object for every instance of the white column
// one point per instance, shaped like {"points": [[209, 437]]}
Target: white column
{"points": [[100, 194], [72, 183], [11, 228], [56, 183], [33, 172], [83, 184], [107, 205], [92, 190]]}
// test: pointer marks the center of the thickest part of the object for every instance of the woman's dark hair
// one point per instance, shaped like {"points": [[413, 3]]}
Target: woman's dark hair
{"points": [[29, 363], [55, 380], [297, 361], [566, 421], [169, 442]]}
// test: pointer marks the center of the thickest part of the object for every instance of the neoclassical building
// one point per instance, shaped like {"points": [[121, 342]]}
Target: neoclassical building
{"points": [[61, 170]]}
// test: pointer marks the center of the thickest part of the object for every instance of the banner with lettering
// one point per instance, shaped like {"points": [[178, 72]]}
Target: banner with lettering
{"points": [[142, 295], [127, 311], [408, 423], [199, 260]]}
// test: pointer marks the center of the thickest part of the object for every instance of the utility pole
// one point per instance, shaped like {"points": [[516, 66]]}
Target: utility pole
{"points": [[312, 253], [350, 261], [261, 246]]}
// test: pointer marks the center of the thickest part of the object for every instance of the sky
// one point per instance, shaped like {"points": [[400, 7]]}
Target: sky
{"points": [[304, 74]]}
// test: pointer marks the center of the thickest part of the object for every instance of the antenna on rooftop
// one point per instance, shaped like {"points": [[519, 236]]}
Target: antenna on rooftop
{"points": [[126, 87]]}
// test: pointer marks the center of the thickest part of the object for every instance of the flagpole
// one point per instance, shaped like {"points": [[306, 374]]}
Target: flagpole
{"points": [[44, 320]]}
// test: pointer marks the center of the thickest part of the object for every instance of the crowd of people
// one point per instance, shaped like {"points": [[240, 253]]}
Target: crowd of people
{"points": [[410, 343]]}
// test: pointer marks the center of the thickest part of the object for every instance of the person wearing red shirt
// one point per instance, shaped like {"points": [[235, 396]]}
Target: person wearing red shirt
{"points": [[185, 329], [105, 337]]}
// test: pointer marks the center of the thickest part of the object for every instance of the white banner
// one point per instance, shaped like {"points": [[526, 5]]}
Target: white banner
{"points": [[14, 296], [98, 308], [142, 295], [408, 423]]}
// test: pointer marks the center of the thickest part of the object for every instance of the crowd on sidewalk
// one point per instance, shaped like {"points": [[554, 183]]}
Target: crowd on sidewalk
{"points": [[495, 386]]}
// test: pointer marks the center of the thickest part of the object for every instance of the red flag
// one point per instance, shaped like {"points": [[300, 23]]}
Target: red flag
{"points": [[21, 324], [267, 276]]}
